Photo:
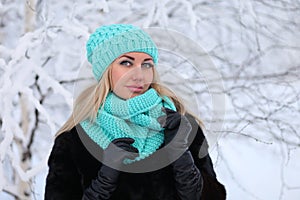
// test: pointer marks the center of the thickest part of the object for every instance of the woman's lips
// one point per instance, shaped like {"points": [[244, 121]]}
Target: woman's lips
{"points": [[133, 88]]}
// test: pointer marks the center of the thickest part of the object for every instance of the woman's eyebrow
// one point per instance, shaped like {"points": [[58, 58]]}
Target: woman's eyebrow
{"points": [[132, 58], [127, 57], [146, 59]]}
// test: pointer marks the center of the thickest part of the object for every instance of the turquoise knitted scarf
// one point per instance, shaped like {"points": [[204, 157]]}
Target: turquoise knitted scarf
{"points": [[135, 118]]}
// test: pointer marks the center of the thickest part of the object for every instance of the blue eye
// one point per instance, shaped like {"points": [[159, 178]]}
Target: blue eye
{"points": [[125, 63], [147, 65]]}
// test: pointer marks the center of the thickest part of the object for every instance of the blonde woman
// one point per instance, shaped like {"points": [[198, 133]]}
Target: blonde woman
{"points": [[129, 137]]}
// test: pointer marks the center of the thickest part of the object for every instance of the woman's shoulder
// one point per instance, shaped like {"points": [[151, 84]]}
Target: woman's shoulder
{"points": [[70, 142], [197, 140], [60, 151], [197, 131], [67, 136], [67, 140]]}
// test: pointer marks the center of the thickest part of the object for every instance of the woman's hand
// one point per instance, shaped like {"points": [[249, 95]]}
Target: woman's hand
{"points": [[119, 150], [177, 129], [188, 179], [171, 120], [106, 182]]}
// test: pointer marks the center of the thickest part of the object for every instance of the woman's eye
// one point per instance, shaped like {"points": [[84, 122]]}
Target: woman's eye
{"points": [[126, 63], [147, 65]]}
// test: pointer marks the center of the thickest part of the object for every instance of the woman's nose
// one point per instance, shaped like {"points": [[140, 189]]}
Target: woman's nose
{"points": [[137, 73]]}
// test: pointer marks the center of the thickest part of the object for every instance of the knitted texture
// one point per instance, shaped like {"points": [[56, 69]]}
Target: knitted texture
{"points": [[111, 41], [134, 118]]}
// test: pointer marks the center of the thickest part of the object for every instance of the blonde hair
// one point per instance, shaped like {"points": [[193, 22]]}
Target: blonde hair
{"points": [[89, 101]]}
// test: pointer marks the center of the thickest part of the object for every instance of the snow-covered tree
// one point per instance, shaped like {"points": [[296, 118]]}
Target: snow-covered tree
{"points": [[238, 61]]}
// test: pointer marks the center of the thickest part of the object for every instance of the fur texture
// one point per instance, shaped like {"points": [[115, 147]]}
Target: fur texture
{"points": [[72, 168]]}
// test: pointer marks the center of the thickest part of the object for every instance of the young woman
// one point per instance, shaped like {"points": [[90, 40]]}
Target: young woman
{"points": [[129, 137]]}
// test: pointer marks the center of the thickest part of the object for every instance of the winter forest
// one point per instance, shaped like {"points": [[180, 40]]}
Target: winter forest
{"points": [[236, 64]]}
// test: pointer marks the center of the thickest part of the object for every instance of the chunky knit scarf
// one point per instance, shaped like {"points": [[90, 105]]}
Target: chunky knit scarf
{"points": [[134, 118]]}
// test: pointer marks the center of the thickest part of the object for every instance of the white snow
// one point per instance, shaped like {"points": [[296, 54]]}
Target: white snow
{"points": [[252, 74]]}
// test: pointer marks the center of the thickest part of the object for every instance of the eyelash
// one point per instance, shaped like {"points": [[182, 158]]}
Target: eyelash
{"points": [[150, 65], [126, 63], [129, 63]]}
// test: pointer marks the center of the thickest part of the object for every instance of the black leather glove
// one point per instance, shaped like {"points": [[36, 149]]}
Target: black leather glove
{"points": [[188, 178], [106, 182], [177, 129]]}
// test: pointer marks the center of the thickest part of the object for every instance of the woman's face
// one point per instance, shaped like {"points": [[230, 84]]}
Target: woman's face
{"points": [[131, 74]]}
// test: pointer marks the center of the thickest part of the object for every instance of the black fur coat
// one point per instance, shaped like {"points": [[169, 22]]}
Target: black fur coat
{"points": [[72, 168]]}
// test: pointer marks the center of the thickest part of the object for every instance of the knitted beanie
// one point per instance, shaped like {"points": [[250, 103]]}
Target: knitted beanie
{"points": [[109, 42]]}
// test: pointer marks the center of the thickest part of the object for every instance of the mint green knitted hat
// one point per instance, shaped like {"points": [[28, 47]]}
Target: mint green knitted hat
{"points": [[109, 42]]}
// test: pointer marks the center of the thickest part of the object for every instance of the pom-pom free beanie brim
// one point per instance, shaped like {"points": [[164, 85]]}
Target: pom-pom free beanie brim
{"points": [[111, 41]]}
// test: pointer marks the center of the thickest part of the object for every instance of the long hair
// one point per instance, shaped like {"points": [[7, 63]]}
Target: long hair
{"points": [[89, 101]]}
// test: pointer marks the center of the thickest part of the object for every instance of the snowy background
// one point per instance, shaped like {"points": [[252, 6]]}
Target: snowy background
{"points": [[254, 45]]}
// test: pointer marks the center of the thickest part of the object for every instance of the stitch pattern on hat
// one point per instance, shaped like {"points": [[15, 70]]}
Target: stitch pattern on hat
{"points": [[110, 41]]}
